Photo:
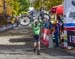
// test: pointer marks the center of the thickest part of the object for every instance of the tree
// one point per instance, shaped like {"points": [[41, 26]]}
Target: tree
{"points": [[14, 6], [19, 6], [7, 7], [1, 7], [46, 3], [24, 5]]}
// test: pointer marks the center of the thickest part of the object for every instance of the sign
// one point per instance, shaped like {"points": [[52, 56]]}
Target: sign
{"points": [[69, 13], [71, 38]]}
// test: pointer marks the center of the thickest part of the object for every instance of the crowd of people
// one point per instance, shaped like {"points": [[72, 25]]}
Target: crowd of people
{"points": [[52, 24]]}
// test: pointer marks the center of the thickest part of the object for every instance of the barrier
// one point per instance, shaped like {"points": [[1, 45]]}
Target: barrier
{"points": [[45, 36]]}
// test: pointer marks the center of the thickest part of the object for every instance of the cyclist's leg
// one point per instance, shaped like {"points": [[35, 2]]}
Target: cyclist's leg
{"points": [[35, 43], [38, 46]]}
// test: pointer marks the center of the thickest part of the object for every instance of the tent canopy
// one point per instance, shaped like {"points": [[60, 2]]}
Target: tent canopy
{"points": [[57, 9]]}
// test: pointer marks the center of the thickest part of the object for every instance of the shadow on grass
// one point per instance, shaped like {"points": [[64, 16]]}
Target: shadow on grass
{"points": [[27, 48], [20, 40]]}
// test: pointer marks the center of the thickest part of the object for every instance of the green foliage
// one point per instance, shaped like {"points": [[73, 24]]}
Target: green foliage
{"points": [[19, 6], [24, 4], [46, 3], [15, 7]]}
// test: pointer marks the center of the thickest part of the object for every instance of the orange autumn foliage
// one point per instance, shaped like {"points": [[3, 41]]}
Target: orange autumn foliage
{"points": [[8, 8]]}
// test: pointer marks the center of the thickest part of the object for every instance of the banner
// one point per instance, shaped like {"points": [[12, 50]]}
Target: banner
{"points": [[71, 38], [69, 14]]}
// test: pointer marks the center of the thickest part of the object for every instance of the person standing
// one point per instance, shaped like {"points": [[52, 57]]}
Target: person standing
{"points": [[56, 34], [36, 26]]}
